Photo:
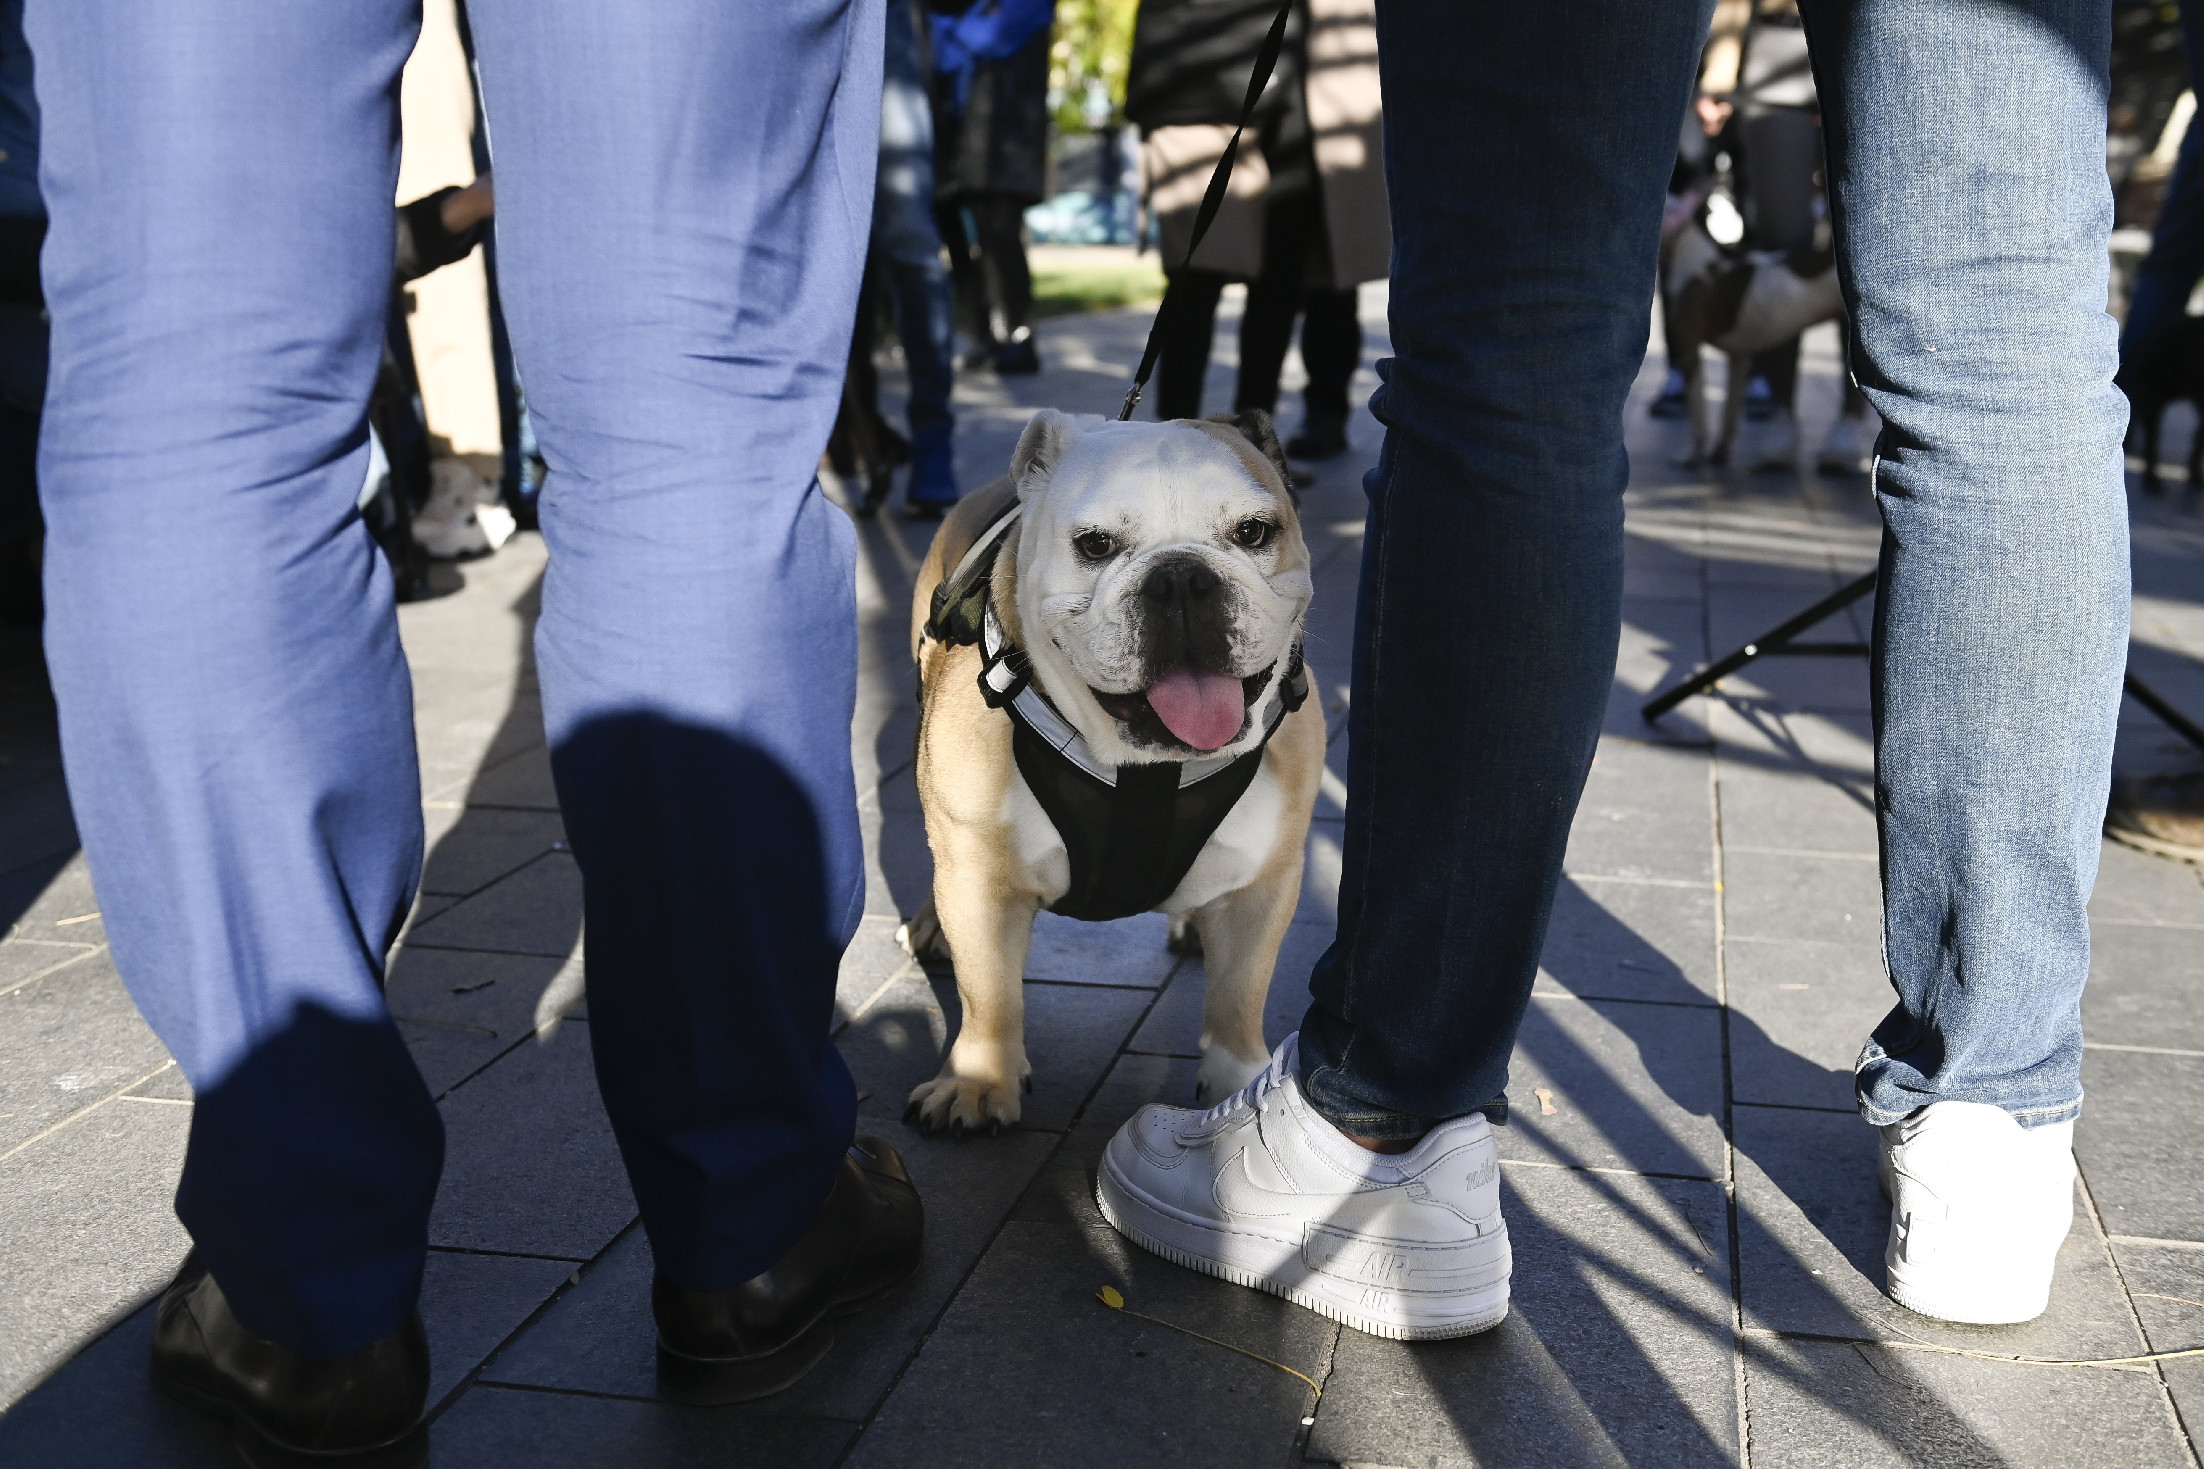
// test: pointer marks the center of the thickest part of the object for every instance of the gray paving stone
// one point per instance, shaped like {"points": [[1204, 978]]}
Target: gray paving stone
{"points": [[470, 848], [2139, 1138], [1797, 807], [1646, 813], [522, 780], [1027, 1367], [493, 1425], [66, 1040], [899, 872], [1799, 1013], [2146, 987], [471, 1303], [1631, 941], [2135, 887], [1173, 1027], [530, 1166], [1129, 951], [26, 959], [1832, 1405], [35, 822], [1769, 895], [1063, 1192], [98, 1409], [871, 960], [1616, 1350], [1071, 1033], [38, 898], [2166, 1284], [599, 1338], [1632, 1086], [537, 910], [1808, 1201], [1663, 642], [169, 1084], [95, 1199], [459, 1010]]}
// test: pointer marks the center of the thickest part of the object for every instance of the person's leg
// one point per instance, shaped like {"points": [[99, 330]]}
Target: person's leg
{"points": [[1521, 277], [235, 711], [1001, 225], [903, 232], [1331, 350], [2001, 628], [1187, 322], [2176, 260], [969, 281], [1290, 225], [683, 327]]}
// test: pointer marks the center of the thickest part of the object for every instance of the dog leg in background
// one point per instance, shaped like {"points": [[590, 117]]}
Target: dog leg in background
{"points": [[561, 997], [989, 926], [1734, 382], [920, 936]]}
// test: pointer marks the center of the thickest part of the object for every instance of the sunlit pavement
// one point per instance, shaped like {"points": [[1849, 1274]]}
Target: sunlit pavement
{"points": [[1697, 1230]]}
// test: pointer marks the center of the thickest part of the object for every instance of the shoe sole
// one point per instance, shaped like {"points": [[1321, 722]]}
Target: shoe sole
{"points": [[1146, 1222], [255, 1443], [1961, 1308], [709, 1382]]}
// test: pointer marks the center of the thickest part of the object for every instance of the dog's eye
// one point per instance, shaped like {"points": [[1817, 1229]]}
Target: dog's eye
{"points": [[1095, 545], [1253, 534]]}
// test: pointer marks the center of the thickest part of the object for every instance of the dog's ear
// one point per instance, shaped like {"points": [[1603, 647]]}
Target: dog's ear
{"points": [[1041, 447], [1255, 426]]}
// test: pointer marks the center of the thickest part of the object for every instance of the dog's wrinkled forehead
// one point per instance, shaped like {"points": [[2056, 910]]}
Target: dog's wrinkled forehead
{"points": [[1160, 481]]}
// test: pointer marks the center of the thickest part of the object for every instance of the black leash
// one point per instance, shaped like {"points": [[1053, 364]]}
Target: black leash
{"points": [[1266, 61]]}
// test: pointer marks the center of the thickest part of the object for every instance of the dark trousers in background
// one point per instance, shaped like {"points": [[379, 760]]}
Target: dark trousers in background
{"points": [[681, 242], [1294, 249], [986, 241]]}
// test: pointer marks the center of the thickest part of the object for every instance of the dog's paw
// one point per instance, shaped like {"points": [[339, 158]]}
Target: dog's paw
{"points": [[1223, 1073], [957, 1106], [922, 939], [1182, 938]]}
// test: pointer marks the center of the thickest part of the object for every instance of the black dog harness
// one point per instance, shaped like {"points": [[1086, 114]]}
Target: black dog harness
{"points": [[1132, 831]]}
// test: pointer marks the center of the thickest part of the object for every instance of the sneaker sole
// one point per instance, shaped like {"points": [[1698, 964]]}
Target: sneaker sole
{"points": [[1964, 1308], [1148, 1224]]}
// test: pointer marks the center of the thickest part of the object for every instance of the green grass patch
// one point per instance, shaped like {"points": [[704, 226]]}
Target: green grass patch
{"points": [[1093, 280]]}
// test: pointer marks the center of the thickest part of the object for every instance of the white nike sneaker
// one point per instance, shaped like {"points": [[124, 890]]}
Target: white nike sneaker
{"points": [[1978, 1207], [1264, 1192]]}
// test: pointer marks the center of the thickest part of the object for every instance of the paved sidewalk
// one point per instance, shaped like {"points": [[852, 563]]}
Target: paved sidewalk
{"points": [[1697, 1229]]}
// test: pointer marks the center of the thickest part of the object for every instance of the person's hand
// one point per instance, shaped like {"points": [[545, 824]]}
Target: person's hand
{"points": [[469, 207], [1714, 113]]}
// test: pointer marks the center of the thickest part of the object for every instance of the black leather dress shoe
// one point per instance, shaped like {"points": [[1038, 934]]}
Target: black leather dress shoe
{"points": [[205, 1357], [754, 1339]]}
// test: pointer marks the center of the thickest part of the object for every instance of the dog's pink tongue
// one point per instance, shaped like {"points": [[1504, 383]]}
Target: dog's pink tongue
{"points": [[1203, 709]]}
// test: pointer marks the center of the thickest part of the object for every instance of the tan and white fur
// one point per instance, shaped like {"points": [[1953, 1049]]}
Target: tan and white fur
{"points": [[1741, 306], [1156, 489]]}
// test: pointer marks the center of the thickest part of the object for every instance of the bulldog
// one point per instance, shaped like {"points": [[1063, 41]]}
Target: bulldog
{"points": [[1114, 718]]}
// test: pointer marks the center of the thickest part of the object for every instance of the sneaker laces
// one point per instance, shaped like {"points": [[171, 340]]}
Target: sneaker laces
{"points": [[1284, 1062]]}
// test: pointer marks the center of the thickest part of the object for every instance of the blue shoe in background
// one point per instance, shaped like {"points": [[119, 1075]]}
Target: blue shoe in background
{"points": [[933, 484]]}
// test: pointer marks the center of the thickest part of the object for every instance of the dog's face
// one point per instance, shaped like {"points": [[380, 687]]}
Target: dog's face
{"points": [[1162, 579]]}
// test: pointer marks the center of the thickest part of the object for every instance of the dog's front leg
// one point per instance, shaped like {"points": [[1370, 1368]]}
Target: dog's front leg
{"points": [[989, 926], [1240, 935], [1734, 383]]}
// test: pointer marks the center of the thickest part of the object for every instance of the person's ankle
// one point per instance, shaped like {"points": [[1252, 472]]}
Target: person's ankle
{"points": [[1381, 1144]]}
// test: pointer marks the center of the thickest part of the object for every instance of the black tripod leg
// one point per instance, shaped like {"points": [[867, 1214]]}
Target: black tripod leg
{"points": [[2155, 702], [1768, 642]]}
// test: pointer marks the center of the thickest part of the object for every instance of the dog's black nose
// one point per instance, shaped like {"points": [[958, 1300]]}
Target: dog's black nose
{"points": [[1179, 583]]}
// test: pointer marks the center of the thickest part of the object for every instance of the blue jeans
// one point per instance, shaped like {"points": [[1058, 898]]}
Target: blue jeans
{"points": [[903, 228], [682, 233], [1526, 153]]}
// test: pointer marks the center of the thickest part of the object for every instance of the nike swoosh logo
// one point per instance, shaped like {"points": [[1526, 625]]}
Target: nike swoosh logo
{"points": [[1237, 1193]]}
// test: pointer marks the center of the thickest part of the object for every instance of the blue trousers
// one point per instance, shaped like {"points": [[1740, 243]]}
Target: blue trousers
{"points": [[1526, 154], [684, 194]]}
